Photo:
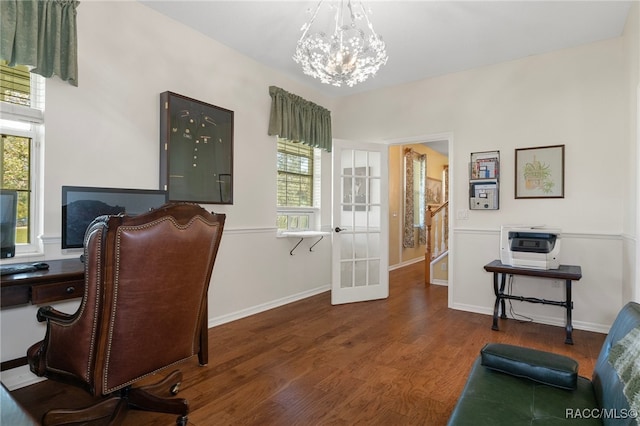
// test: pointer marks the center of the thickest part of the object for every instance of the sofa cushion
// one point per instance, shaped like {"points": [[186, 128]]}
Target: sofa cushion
{"points": [[542, 367], [491, 398]]}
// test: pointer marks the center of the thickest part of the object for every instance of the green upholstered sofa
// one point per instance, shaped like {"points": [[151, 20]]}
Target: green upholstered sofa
{"points": [[511, 385]]}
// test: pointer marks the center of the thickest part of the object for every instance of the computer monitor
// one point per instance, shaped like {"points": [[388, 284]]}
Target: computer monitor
{"points": [[82, 204], [8, 223]]}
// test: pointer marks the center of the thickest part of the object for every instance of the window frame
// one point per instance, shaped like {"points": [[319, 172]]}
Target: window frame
{"points": [[33, 117], [313, 210]]}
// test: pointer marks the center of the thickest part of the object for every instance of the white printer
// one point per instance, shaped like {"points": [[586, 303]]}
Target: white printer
{"points": [[533, 247]]}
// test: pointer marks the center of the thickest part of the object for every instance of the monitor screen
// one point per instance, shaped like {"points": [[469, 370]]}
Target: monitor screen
{"points": [[82, 204], [8, 222]]}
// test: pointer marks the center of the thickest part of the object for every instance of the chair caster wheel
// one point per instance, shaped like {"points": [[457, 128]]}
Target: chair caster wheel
{"points": [[175, 389], [182, 421]]}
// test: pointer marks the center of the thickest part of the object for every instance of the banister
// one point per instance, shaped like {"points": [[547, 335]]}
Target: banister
{"points": [[443, 225]]}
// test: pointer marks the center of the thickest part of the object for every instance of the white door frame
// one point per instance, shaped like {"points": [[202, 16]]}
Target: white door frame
{"points": [[436, 137]]}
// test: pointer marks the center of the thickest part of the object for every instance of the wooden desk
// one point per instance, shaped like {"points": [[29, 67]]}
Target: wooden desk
{"points": [[63, 280], [567, 273]]}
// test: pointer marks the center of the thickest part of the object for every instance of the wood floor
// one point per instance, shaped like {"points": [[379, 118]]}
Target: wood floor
{"points": [[399, 361]]}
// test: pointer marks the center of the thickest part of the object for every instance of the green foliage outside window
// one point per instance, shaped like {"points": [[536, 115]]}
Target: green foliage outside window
{"points": [[14, 175]]}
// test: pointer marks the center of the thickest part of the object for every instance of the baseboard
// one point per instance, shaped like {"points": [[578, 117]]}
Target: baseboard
{"points": [[440, 282], [223, 319], [406, 263], [558, 322], [19, 377]]}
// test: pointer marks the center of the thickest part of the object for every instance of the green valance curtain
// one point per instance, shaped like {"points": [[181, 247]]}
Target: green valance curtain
{"points": [[296, 119], [41, 34]]}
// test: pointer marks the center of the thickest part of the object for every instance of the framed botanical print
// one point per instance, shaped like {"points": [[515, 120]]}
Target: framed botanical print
{"points": [[540, 172], [196, 150]]}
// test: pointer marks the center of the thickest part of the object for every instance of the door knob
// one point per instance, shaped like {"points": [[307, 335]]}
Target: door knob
{"points": [[338, 229]]}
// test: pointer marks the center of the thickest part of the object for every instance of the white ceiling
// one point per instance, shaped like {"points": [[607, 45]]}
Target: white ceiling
{"points": [[424, 38]]}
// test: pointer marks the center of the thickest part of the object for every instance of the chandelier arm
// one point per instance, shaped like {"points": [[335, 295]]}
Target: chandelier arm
{"points": [[338, 20], [313, 18], [369, 24], [353, 15]]}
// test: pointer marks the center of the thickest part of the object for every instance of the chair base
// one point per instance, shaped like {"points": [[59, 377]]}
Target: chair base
{"points": [[153, 397]]}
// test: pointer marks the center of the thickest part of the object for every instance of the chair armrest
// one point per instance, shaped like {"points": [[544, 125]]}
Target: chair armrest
{"points": [[542, 367], [48, 313]]}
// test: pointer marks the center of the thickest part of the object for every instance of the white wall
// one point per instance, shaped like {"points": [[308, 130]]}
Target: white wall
{"points": [[632, 208], [106, 133], [576, 97]]}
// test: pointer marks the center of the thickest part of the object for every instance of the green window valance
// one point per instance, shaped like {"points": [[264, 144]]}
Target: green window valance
{"points": [[41, 34], [296, 119]]}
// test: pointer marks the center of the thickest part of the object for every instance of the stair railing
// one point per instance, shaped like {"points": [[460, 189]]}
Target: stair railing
{"points": [[437, 223]]}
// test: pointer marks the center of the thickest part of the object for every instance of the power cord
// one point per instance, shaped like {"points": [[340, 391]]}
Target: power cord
{"points": [[514, 315]]}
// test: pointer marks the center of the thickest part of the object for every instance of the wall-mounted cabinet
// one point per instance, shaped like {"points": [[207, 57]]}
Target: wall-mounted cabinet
{"points": [[484, 180]]}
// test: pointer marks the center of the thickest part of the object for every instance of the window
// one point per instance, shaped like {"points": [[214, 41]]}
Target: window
{"points": [[298, 182], [21, 128]]}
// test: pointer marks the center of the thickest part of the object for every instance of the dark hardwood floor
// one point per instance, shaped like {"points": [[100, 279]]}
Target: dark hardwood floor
{"points": [[399, 361]]}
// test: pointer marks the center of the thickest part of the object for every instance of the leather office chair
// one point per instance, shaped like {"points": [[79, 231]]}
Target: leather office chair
{"points": [[144, 308]]}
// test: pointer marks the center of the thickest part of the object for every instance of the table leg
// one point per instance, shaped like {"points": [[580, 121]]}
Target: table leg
{"points": [[569, 325], [503, 283], [497, 304]]}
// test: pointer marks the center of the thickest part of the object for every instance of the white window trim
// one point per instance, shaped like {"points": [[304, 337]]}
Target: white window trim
{"points": [[35, 118], [314, 219]]}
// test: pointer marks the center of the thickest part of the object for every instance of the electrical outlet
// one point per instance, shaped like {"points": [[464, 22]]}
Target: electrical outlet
{"points": [[462, 214], [443, 266]]}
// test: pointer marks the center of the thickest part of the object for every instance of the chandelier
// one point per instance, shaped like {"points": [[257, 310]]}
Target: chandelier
{"points": [[349, 55]]}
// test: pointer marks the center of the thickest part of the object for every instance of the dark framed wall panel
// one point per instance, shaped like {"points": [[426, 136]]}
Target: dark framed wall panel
{"points": [[196, 150]]}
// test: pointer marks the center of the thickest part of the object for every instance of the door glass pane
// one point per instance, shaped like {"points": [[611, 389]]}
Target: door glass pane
{"points": [[374, 218], [374, 245], [346, 274], [374, 191], [374, 272], [360, 273], [346, 218], [346, 246], [360, 221], [348, 197], [361, 246]]}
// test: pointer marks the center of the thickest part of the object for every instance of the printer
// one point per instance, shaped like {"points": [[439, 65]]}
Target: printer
{"points": [[534, 247]]}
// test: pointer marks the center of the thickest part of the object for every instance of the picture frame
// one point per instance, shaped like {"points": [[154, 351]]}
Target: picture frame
{"points": [[434, 192], [196, 150], [539, 172]]}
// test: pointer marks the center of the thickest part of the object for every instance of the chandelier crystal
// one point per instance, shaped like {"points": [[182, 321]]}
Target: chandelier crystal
{"points": [[349, 55]]}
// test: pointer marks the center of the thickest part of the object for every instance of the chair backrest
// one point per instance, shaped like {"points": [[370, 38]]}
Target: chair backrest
{"points": [[146, 283], [608, 387]]}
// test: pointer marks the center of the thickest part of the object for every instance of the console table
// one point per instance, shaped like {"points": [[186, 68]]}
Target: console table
{"points": [[567, 273]]}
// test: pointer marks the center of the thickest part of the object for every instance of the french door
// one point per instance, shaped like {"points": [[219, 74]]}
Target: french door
{"points": [[360, 222]]}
